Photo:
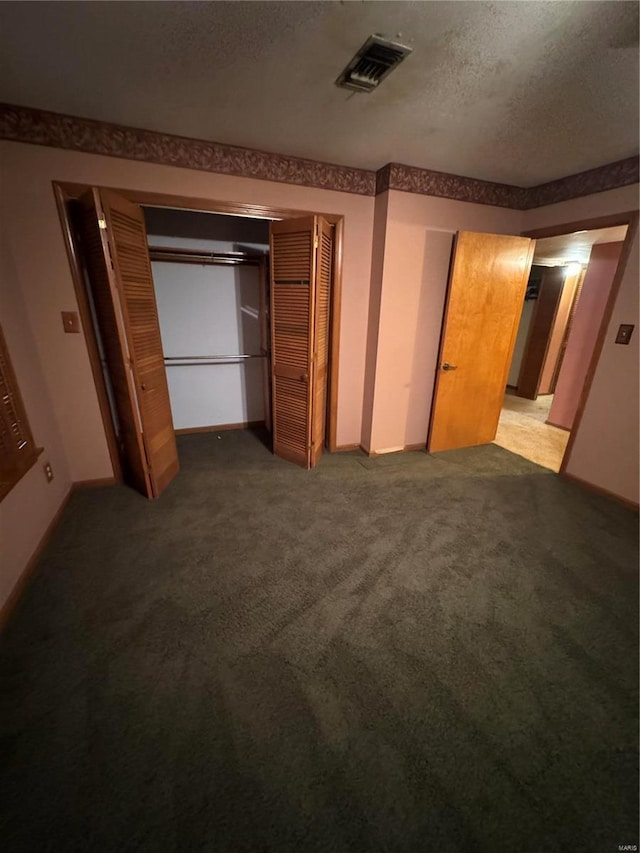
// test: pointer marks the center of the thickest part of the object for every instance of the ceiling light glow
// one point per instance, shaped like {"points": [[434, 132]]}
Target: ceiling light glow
{"points": [[572, 268]]}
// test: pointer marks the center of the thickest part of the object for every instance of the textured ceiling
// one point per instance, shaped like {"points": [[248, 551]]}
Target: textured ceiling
{"points": [[576, 246], [517, 92]]}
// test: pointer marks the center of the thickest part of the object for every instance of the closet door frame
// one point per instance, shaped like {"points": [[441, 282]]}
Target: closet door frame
{"points": [[66, 192]]}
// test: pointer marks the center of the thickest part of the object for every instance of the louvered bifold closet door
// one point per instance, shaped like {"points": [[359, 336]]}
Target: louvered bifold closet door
{"points": [[130, 254], [122, 286], [292, 308], [324, 268], [106, 300]]}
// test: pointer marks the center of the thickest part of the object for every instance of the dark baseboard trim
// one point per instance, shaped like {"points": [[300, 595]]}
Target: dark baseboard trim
{"points": [[219, 427], [94, 484], [345, 448], [25, 576], [598, 490], [558, 426]]}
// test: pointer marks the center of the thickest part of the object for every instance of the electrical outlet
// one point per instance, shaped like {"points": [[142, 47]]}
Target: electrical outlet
{"points": [[48, 471]]}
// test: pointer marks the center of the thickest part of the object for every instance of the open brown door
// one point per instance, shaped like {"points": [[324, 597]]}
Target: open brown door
{"points": [[487, 283], [301, 267], [117, 259]]}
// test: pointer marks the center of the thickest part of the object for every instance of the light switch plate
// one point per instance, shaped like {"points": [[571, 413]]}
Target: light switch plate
{"points": [[625, 331], [71, 322]]}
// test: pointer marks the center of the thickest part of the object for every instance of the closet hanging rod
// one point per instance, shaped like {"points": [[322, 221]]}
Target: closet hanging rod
{"points": [[200, 256], [201, 358]]}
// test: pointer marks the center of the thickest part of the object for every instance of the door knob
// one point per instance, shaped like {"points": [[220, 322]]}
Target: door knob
{"points": [[143, 386], [447, 366], [304, 377]]}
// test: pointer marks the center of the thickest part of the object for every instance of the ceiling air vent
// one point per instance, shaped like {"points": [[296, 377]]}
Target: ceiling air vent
{"points": [[372, 63]]}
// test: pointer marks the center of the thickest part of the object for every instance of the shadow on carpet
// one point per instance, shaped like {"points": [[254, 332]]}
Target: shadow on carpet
{"points": [[412, 653]]}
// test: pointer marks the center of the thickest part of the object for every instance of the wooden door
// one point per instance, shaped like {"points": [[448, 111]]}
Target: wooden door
{"points": [[487, 284], [265, 346], [539, 337], [324, 268], [301, 265], [118, 263], [558, 344]]}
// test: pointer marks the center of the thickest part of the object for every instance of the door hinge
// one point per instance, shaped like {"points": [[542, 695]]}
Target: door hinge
{"points": [[315, 242], [102, 223]]}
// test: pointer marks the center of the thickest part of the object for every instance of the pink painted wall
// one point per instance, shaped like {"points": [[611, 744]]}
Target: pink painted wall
{"points": [[419, 239], [27, 175], [375, 296], [27, 510], [605, 449], [584, 332]]}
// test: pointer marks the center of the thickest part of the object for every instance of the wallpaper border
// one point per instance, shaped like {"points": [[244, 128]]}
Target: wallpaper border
{"points": [[40, 127], [24, 124]]}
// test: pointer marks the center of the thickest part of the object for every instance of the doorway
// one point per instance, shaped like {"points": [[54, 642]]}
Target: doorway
{"points": [[138, 333], [489, 282], [567, 293]]}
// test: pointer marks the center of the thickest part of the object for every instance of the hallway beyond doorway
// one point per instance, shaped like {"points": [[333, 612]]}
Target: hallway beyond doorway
{"points": [[522, 429]]}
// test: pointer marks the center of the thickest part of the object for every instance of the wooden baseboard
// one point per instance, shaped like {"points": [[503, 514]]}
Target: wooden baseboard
{"points": [[25, 576], [93, 484], [344, 448], [219, 427], [558, 426], [374, 454], [598, 490]]}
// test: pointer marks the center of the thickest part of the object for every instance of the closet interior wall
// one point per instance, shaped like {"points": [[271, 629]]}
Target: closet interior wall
{"points": [[211, 316]]}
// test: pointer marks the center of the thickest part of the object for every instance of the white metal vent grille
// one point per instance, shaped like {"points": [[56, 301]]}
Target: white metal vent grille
{"points": [[375, 60]]}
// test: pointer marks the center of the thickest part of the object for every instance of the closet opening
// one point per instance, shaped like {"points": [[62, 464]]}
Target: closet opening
{"points": [[205, 318], [210, 275]]}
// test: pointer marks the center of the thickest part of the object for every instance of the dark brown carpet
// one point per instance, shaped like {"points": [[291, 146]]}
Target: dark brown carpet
{"points": [[404, 654]]}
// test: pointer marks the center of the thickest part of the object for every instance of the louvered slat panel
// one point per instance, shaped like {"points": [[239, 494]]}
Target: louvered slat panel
{"points": [[290, 403], [292, 288], [292, 255], [11, 425], [131, 261], [324, 271], [115, 348], [17, 449], [290, 308], [13, 428]]}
